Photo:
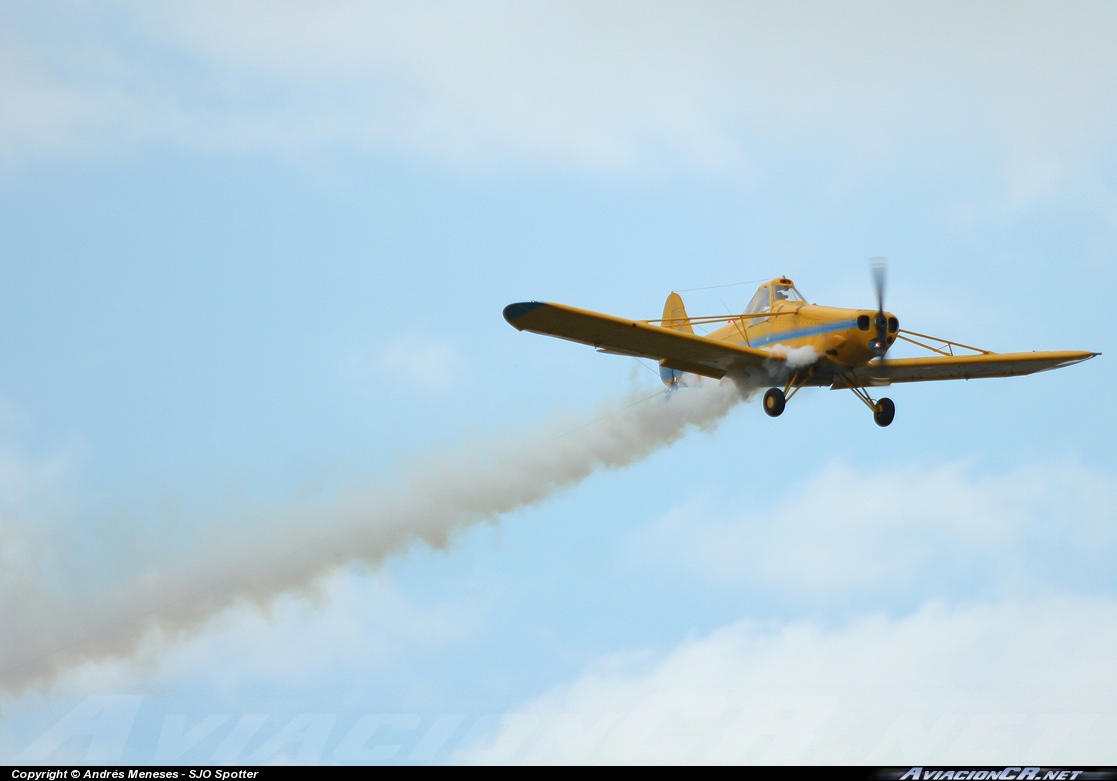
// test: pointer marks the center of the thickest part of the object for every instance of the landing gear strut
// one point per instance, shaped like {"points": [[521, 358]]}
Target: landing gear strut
{"points": [[774, 402], [883, 410], [775, 399]]}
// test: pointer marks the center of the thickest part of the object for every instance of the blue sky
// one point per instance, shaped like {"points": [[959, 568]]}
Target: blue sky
{"points": [[254, 260]]}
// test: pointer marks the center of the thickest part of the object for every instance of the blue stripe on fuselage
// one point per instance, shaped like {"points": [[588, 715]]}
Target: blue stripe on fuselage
{"points": [[799, 333]]}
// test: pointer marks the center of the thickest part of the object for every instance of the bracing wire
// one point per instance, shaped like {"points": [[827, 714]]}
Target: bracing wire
{"points": [[714, 287]]}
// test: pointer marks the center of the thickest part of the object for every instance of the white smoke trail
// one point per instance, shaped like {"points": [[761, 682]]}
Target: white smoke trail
{"points": [[58, 614], [793, 357]]}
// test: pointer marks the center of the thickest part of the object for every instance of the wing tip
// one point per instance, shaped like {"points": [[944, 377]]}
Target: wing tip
{"points": [[514, 312], [1085, 355]]}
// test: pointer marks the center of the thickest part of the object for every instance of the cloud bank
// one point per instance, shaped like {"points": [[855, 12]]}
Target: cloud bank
{"points": [[956, 617], [712, 87], [966, 685]]}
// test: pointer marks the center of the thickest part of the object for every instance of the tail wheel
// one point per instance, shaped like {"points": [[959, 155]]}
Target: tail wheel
{"points": [[884, 413], [774, 402]]}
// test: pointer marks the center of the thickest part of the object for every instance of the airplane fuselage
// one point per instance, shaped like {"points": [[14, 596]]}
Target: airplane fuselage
{"points": [[841, 336]]}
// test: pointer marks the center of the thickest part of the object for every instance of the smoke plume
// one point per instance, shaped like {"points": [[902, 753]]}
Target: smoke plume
{"points": [[793, 358], [59, 611]]}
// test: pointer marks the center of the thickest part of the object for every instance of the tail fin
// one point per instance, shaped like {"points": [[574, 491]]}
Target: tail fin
{"points": [[674, 315], [675, 318]]}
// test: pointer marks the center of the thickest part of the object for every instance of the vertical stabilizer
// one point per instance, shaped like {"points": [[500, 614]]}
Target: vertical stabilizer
{"points": [[675, 318], [674, 315]]}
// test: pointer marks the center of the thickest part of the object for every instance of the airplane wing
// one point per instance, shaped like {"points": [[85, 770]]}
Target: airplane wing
{"points": [[963, 367], [677, 350]]}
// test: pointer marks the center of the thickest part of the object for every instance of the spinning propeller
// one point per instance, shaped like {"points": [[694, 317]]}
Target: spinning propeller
{"points": [[879, 344]]}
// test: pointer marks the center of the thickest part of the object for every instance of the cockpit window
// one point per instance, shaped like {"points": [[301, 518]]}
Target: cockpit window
{"points": [[760, 302], [786, 293], [770, 294]]}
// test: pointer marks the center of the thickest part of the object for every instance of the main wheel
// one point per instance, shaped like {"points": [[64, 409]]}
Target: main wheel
{"points": [[884, 413], [774, 402]]}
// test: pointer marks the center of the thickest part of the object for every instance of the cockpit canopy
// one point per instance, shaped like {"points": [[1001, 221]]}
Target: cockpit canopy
{"points": [[782, 289]]}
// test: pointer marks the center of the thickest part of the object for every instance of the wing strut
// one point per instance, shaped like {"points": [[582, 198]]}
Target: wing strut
{"points": [[946, 346]]}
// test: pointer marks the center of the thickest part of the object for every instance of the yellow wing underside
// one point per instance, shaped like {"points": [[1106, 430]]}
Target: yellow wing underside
{"points": [[690, 353], [962, 367], [675, 349]]}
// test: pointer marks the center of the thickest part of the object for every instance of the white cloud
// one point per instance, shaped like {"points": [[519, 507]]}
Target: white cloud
{"points": [[410, 362], [717, 87], [1033, 682], [37, 508], [900, 534], [60, 103]]}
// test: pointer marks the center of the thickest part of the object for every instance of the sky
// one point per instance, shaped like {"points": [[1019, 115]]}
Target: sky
{"points": [[278, 484]]}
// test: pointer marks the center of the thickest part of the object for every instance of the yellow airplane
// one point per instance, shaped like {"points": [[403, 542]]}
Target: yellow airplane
{"points": [[780, 339]]}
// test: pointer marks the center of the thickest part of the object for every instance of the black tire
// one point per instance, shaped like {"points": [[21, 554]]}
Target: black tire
{"points": [[774, 402], [884, 412]]}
